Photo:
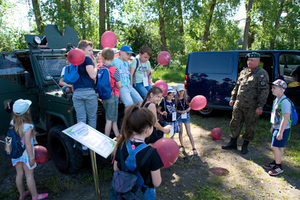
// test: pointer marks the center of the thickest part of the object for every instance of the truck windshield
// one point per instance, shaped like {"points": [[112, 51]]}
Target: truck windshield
{"points": [[51, 66]]}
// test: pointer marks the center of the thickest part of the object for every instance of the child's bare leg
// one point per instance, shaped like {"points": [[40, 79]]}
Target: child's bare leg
{"points": [[188, 131], [20, 178], [115, 128], [278, 153], [30, 180], [108, 127], [180, 134]]}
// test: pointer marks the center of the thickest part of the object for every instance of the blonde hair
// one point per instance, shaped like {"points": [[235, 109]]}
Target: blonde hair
{"points": [[185, 96], [83, 44], [19, 121]]}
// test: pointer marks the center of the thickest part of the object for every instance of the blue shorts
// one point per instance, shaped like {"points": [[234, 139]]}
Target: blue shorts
{"points": [[280, 143], [185, 121], [129, 95]]}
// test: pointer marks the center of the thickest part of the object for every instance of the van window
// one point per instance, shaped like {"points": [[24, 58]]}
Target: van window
{"points": [[211, 63], [289, 68], [9, 64]]}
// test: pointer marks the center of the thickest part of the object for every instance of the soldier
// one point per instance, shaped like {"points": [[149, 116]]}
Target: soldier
{"points": [[248, 98]]}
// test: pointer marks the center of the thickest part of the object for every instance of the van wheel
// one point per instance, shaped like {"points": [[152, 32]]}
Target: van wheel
{"points": [[206, 112], [67, 157]]}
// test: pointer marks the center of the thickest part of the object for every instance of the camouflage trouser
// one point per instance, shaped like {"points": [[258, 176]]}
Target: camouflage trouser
{"points": [[239, 116]]}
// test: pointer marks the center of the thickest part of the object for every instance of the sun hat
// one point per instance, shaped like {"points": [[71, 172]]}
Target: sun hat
{"points": [[21, 106], [126, 48], [253, 55], [170, 89], [280, 83], [180, 87]]}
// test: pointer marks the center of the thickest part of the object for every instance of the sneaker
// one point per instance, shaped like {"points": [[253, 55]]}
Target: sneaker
{"points": [[269, 166], [181, 149], [195, 152], [276, 170]]}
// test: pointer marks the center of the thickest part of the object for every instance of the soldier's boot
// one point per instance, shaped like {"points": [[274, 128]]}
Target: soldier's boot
{"points": [[231, 145], [244, 149]]}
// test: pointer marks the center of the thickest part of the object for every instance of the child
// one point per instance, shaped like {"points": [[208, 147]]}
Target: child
{"points": [[167, 108], [111, 105], [138, 125], [183, 110], [23, 126], [151, 101], [140, 71], [280, 126], [66, 88]]}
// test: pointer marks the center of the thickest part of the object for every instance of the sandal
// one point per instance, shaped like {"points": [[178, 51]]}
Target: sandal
{"points": [[25, 195], [181, 148], [40, 196], [195, 152]]}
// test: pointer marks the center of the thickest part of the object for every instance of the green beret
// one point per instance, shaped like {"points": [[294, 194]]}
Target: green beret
{"points": [[253, 55]]}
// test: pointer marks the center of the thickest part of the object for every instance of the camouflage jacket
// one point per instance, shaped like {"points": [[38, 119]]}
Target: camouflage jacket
{"points": [[251, 89]]}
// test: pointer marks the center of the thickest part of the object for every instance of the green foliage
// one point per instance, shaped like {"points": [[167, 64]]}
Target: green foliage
{"points": [[172, 74]]}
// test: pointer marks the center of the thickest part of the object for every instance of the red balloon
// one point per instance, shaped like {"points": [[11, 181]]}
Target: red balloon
{"points": [[109, 39], [198, 102], [76, 56], [41, 154], [163, 58], [168, 151], [162, 85], [216, 133]]}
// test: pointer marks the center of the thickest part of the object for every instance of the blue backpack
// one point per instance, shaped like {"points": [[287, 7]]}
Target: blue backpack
{"points": [[71, 74], [294, 116], [103, 85], [128, 182], [13, 147]]}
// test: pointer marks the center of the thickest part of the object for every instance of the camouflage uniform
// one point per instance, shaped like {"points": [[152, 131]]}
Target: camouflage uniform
{"points": [[251, 92]]}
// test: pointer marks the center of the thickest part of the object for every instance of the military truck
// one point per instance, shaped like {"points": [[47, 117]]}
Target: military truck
{"points": [[33, 74]]}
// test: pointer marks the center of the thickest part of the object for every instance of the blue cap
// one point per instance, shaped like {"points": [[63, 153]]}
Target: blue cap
{"points": [[21, 106], [126, 48]]}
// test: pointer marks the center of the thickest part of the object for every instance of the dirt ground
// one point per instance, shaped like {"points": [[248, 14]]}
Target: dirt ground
{"points": [[246, 178]]}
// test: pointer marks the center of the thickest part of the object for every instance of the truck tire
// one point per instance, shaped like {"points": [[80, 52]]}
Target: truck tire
{"points": [[67, 157], [206, 112]]}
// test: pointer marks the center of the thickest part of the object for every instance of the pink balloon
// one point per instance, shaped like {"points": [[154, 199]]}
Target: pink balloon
{"points": [[198, 102], [216, 133], [76, 56], [162, 85], [109, 39], [163, 58], [168, 151], [41, 154]]}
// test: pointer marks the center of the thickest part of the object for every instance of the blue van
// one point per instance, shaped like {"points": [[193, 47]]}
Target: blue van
{"points": [[213, 74]]}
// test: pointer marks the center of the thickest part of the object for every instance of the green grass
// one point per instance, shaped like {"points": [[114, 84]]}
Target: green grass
{"points": [[171, 74], [58, 185], [208, 192]]}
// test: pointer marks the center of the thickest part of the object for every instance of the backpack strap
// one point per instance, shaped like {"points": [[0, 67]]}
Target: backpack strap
{"points": [[279, 107], [137, 65]]}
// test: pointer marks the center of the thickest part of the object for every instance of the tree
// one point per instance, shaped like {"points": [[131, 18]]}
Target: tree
{"points": [[101, 19], [208, 22], [162, 26], [272, 43], [247, 24], [38, 16]]}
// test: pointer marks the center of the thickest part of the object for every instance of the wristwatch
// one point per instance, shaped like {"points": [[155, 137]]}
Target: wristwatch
{"points": [[259, 108]]}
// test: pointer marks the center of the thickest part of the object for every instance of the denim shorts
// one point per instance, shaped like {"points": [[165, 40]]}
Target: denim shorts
{"points": [[280, 143], [185, 121], [111, 108], [142, 90], [129, 95]]}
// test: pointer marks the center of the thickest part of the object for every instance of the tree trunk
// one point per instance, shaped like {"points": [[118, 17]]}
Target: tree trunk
{"points": [[272, 43], [107, 15], [81, 14], [207, 25], [68, 8], [101, 20], [181, 30], [247, 24], [38, 16], [162, 26]]}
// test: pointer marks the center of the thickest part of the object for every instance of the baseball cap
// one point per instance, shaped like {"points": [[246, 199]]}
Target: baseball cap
{"points": [[180, 87], [280, 83], [21, 106], [126, 48], [253, 55]]}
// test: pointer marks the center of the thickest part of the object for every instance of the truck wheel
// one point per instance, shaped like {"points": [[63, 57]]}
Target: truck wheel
{"points": [[67, 157], [206, 112]]}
